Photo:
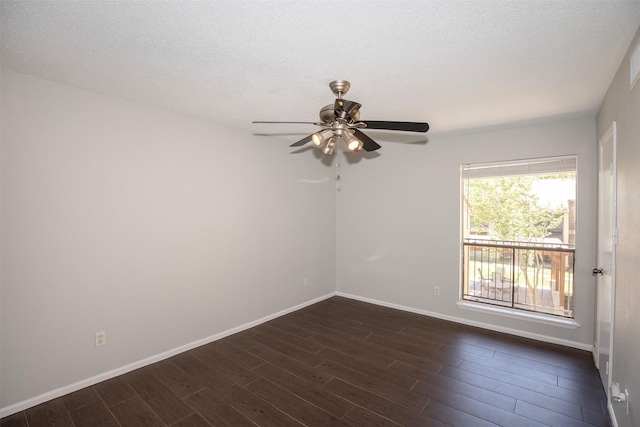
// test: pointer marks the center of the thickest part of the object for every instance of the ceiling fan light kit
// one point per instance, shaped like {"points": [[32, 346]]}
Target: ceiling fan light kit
{"points": [[341, 122], [329, 146], [319, 138], [353, 143]]}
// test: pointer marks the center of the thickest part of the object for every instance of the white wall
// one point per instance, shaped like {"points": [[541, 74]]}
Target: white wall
{"points": [[398, 221], [160, 228], [623, 106]]}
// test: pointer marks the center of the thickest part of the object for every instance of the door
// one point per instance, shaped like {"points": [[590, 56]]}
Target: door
{"points": [[605, 270]]}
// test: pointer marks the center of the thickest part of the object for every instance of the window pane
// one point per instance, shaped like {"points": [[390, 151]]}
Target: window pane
{"points": [[519, 234]]}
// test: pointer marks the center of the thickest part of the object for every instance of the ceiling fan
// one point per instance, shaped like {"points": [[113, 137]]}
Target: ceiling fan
{"points": [[341, 122]]}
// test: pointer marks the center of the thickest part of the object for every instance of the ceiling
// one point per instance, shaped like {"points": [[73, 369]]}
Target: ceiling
{"points": [[458, 65]]}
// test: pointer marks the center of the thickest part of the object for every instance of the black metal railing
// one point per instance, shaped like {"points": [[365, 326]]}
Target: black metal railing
{"points": [[532, 276]]}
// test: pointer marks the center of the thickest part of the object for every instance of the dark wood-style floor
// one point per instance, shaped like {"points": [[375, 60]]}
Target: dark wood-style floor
{"points": [[346, 363]]}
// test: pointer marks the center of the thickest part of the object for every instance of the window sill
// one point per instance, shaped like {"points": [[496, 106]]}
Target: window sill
{"points": [[520, 314]]}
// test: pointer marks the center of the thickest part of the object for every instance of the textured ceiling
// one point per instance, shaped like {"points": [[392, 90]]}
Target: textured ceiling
{"points": [[455, 64]]}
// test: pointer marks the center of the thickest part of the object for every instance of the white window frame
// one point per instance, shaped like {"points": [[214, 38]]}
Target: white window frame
{"points": [[541, 165]]}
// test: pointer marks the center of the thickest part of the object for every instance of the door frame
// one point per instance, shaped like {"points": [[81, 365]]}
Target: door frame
{"points": [[611, 133]]}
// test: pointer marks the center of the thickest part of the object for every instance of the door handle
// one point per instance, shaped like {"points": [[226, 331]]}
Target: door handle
{"points": [[596, 271]]}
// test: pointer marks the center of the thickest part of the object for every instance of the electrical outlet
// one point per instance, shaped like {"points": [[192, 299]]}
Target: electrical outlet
{"points": [[306, 281], [101, 338], [436, 290]]}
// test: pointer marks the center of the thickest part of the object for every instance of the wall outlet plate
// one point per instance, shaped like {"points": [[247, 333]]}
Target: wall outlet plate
{"points": [[101, 338]]}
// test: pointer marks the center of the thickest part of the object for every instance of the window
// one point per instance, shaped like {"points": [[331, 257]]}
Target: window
{"points": [[518, 245]]}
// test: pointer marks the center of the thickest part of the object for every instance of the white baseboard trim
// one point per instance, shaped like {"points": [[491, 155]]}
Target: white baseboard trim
{"points": [[483, 325], [62, 391]]}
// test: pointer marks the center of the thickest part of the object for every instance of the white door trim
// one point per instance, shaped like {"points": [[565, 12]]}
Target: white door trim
{"points": [[610, 134]]}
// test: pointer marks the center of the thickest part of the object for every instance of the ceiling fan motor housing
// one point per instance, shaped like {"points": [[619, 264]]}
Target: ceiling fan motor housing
{"points": [[326, 114]]}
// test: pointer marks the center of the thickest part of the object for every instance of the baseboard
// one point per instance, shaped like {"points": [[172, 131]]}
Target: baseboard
{"points": [[62, 391], [538, 337]]}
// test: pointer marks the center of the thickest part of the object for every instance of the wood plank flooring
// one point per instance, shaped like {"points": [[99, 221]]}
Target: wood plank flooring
{"points": [[346, 363]]}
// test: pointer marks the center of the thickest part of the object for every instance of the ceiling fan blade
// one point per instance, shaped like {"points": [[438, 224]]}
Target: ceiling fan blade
{"points": [[346, 109], [302, 141], [368, 144], [338, 108], [404, 126], [352, 109], [302, 123]]}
